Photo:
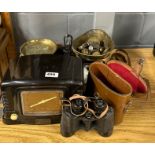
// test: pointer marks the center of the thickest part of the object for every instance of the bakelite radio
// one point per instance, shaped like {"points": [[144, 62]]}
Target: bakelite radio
{"points": [[34, 93]]}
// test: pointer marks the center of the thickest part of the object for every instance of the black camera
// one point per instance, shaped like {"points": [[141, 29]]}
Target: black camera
{"points": [[87, 113]]}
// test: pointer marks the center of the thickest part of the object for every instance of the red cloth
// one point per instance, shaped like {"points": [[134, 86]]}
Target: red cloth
{"points": [[126, 72]]}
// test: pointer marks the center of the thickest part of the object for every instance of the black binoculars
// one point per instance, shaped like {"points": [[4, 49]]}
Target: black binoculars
{"points": [[86, 112]]}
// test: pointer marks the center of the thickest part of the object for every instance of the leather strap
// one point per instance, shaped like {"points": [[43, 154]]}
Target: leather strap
{"points": [[86, 107], [121, 55], [137, 69], [118, 54], [77, 96]]}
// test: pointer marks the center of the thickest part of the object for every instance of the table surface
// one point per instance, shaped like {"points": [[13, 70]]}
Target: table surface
{"points": [[138, 124]]}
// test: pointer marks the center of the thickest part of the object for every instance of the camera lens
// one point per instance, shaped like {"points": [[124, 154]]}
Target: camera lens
{"points": [[77, 106], [99, 106]]}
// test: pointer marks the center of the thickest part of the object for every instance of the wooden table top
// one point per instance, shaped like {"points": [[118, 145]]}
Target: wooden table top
{"points": [[138, 124]]}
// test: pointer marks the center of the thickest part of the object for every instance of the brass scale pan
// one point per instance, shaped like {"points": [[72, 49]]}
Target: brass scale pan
{"points": [[38, 46]]}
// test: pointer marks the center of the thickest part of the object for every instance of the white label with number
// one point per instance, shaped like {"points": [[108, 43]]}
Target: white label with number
{"points": [[52, 74]]}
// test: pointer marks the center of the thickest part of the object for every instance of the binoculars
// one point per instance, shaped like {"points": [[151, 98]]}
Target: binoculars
{"points": [[80, 112]]}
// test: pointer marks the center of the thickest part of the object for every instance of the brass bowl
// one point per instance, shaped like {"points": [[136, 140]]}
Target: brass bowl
{"points": [[38, 46], [100, 35]]}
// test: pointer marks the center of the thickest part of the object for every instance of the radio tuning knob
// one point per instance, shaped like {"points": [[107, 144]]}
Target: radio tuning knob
{"points": [[14, 117]]}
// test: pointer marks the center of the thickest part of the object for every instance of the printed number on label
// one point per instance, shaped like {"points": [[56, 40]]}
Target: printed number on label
{"points": [[52, 74]]}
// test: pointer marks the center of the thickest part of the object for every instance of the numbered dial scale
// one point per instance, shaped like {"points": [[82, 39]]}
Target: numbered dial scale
{"points": [[41, 103]]}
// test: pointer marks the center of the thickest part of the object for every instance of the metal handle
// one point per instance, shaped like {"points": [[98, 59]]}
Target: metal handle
{"points": [[68, 39]]}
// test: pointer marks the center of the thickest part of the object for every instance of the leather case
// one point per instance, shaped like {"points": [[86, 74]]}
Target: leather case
{"points": [[111, 87], [131, 75]]}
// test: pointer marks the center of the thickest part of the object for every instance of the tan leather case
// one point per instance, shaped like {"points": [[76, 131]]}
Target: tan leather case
{"points": [[111, 87]]}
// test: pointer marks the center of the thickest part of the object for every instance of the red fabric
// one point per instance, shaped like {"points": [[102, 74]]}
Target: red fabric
{"points": [[137, 83]]}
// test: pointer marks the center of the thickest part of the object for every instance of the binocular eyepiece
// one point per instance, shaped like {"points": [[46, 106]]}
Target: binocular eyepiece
{"points": [[77, 106], [97, 105]]}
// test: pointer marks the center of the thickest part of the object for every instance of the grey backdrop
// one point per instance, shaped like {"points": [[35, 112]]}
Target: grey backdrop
{"points": [[126, 29]]}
